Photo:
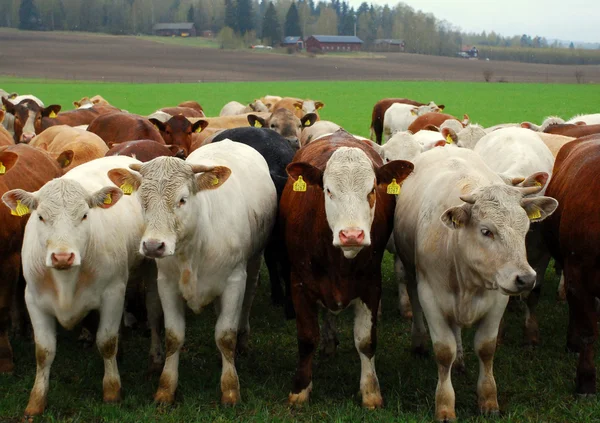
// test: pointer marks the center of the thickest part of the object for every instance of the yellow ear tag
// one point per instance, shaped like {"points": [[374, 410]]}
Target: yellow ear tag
{"points": [[198, 129], [449, 139], [108, 199], [298, 107], [2, 169], [257, 124], [538, 184], [20, 210], [67, 162], [393, 188], [127, 188], [3, 107], [52, 114], [307, 123], [300, 185], [215, 181], [534, 214]]}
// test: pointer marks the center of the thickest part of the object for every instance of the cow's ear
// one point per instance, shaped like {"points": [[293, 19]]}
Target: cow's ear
{"points": [[441, 107], [319, 105], [309, 119], [20, 202], [177, 151], [65, 158], [449, 135], [309, 174], [539, 208], [395, 171], [466, 120], [538, 179], [298, 105], [7, 161], [158, 124], [199, 126], [8, 106], [51, 111], [105, 198], [127, 181], [457, 217], [76, 104], [257, 121], [213, 178]]}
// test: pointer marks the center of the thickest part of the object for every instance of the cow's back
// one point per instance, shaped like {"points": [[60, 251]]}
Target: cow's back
{"points": [[121, 127], [142, 150]]}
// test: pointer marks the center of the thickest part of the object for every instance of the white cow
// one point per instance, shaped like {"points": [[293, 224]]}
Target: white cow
{"points": [[593, 119], [79, 247], [467, 137], [399, 116], [236, 108], [20, 98], [317, 130], [208, 219], [460, 232], [515, 153]]}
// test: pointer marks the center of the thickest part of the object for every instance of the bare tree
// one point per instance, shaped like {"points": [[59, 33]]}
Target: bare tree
{"points": [[488, 74], [579, 75]]}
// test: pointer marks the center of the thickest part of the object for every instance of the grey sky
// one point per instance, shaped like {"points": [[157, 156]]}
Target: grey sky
{"points": [[572, 20]]}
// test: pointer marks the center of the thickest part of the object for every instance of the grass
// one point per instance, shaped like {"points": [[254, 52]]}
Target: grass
{"points": [[183, 41], [534, 385]]}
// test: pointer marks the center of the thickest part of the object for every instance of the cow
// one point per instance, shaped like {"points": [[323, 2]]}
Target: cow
{"points": [[424, 121], [21, 166], [185, 111], [5, 137], [236, 108], [145, 150], [59, 140], [285, 123], [592, 119], [120, 127], [381, 107], [28, 118], [77, 117], [316, 130], [278, 153], [515, 153], [228, 122], [192, 105], [19, 98], [398, 117], [466, 138], [460, 233], [205, 137], [208, 220], [336, 216], [270, 100], [573, 130], [572, 236], [87, 102], [178, 131], [79, 247], [299, 107]]}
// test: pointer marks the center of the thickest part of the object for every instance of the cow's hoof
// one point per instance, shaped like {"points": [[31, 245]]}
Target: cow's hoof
{"points": [[489, 408], [112, 397], [164, 397], [112, 392], [230, 398], [445, 416], [301, 397], [372, 401]]}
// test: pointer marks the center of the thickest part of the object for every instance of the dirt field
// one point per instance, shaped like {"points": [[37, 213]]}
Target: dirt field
{"points": [[114, 58]]}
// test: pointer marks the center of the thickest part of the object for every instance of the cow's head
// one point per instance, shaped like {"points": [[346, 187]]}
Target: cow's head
{"points": [[350, 184], [308, 106], [490, 228], [285, 123], [167, 188], [28, 118], [258, 106], [62, 216], [178, 130]]}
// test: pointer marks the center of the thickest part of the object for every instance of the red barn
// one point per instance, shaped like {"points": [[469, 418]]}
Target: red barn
{"points": [[333, 43]]}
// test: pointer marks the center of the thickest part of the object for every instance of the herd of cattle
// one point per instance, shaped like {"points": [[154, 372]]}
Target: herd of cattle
{"points": [[106, 207]]}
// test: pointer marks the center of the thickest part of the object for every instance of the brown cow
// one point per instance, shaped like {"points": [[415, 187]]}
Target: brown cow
{"points": [[185, 111], [28, 118], [572, 234], [5, 136], [285, 123], [77, 117], [28, 168], [298, 106], [338, 183], [572, 130], [178, 131], [228, 122], [379, 112], [145, 150], [192, 105], [205, 137], [120, 127], [430, 120]]}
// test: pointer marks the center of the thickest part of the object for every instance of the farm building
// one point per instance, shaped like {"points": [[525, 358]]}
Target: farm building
{"points": [[182, 29], [389, 45], [332, 43], [293, 41]]}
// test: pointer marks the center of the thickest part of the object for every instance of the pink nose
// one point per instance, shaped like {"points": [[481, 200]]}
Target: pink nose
{"points": [[62, 261], [352, 236], [26, 138]]}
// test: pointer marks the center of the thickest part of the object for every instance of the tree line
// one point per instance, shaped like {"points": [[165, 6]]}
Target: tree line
{"points": [[270, 21]]}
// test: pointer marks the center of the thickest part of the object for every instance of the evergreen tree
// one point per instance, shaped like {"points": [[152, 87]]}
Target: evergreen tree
{"points": [[271, 30], [190, 14], [292, 22], [28, 15], [244, 15], [231, 15]]}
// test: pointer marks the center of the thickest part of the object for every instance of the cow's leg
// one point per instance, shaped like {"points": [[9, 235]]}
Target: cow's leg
{"points": [[307, 323], [107, 339], [174, 312], [18, 313], [561, 291], [532, 329], [10, 276], [365, 340], [485, 347], [404, 305], [252, 271], [329, 339], [155, 313], [418, 331], [583, 321], [539, 258], [228, 321], [277, 295], [459, 363], [44, 332]]}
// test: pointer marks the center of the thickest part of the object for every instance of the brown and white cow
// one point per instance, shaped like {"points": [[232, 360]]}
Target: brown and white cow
{"points": [[298, 106], [435, 119], [145, 150], [285, 123], [178, 131], [89, 102], [337, 217], [28, 118], [120, 127]]}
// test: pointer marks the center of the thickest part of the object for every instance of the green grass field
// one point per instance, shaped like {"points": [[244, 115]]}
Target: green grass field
{"points": [[534, 385]]}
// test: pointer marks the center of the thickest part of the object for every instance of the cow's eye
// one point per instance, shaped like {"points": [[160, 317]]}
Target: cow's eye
{"points": [[40, 218], [84, 217], [328, 193], [487, 233], [272, 125], [182, 202]]}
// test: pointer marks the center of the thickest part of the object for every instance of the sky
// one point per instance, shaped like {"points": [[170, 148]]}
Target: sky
{"points": [[572, 20]]}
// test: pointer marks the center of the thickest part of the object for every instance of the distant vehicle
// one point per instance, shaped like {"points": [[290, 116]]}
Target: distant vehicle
{"points": [[463, 54], [260, 46]]}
